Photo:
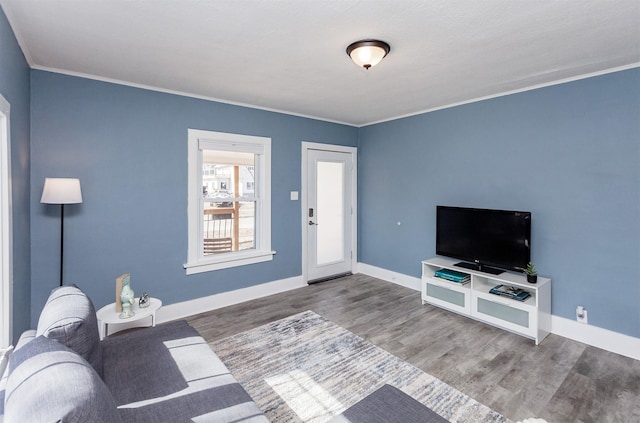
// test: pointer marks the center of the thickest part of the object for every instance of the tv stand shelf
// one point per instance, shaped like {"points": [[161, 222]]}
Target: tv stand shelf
{"points": [[530, 318]]}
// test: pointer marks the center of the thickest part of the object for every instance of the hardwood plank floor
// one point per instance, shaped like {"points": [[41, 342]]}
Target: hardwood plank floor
{"points": [[560, 380]]}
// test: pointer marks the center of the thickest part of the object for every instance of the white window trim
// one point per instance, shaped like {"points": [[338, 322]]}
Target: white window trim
{"points": [[197, 262], [6, 227]]}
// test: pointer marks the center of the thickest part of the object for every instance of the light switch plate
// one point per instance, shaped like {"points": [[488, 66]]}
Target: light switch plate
{"points": [[294, 195]]}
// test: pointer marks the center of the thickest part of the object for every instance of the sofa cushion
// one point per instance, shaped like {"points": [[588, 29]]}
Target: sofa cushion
{"points": [[169, 373], [49, 382], [70, 318]]}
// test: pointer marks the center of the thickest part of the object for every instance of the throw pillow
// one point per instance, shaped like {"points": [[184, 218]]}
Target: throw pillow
{"points": [[70, 318], [49, 382]]}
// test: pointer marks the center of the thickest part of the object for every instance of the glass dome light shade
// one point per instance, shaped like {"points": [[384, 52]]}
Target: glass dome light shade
{"points": [[368, 53]]}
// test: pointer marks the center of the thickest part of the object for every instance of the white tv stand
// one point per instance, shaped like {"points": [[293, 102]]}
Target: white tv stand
{"points": [[530, 318]]}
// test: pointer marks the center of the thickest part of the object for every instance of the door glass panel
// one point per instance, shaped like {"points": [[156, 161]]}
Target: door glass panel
{"points": [[330, 209]]}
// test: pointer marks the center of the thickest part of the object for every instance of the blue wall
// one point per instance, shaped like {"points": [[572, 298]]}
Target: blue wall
{"points": [[14, 87], [569, 153], [128, 146]]}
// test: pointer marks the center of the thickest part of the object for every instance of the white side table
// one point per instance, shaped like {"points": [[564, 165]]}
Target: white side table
{"points": [[107, 315]]}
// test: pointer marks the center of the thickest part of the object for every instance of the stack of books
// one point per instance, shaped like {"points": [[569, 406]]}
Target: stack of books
{"points": [[453, 276], [510, 292]]}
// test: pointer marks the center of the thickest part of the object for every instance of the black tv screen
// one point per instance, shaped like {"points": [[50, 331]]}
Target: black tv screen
{"points": [[485, 238]]}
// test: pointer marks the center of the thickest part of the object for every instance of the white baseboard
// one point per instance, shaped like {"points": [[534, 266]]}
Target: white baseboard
{"points": [[390, 276], [212, 302], [605, 339], [615, 342]]}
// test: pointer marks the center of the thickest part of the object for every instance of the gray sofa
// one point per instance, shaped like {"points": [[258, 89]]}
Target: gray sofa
{"points": [[62, 372]]}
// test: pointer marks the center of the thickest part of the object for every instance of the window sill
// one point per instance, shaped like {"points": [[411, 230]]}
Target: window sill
{"points": [[225, 261]]}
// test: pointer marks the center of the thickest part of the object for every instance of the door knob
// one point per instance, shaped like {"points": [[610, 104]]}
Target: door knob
{"points": [[311, 223]]}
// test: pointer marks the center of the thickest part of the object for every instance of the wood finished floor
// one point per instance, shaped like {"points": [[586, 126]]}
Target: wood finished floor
{"points": [[560, 380]]}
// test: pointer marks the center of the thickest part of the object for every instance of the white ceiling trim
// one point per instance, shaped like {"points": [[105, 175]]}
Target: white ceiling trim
{"points": [[521, 90], [288, 112], [184, 94]]}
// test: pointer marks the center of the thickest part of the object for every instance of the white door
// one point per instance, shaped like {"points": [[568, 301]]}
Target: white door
{"points": [[328, 218]]}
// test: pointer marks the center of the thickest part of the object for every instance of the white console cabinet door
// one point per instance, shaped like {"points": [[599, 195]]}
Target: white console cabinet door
{"points": [[503, 312], [449, 295]]}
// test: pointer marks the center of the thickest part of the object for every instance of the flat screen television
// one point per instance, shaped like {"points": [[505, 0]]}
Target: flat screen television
{"points": [[487, 240]]}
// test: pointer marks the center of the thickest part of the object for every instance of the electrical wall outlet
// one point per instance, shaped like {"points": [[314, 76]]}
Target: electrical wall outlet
{"points": [[581, 315]]}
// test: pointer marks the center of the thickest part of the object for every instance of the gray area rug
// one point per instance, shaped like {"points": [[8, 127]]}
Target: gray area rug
{"points": [[305, 368]]}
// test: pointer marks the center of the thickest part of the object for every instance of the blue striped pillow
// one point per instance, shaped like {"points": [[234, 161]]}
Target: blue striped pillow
{"points": [[49, 382], [70, 318]]}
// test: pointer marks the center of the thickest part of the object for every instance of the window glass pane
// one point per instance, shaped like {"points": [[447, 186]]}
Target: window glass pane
{"points": [[217, 229], [229, 224], [223, 232], [247, 225], [228, 174]]}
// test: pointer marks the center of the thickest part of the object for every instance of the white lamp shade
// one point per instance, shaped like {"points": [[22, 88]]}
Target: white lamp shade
{"points": [[61, 191]]}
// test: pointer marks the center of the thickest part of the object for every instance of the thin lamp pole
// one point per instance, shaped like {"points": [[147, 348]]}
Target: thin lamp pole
{"points": [[61, 241]]}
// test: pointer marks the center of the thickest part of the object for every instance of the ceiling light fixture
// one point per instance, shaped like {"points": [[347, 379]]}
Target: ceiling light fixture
{"points": [[367, 53]]}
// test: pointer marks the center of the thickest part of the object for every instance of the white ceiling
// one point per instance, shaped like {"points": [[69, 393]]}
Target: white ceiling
{"points": [[289, 55]]}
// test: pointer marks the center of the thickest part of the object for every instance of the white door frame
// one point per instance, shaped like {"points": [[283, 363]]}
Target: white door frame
{"points": [[6, 227], [353, 151]]}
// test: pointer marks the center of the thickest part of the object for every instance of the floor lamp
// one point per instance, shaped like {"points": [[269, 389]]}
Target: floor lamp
{"points": [[61, 191]]}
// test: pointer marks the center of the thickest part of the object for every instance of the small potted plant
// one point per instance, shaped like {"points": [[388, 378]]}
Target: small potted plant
{"points": [[530, 271]]}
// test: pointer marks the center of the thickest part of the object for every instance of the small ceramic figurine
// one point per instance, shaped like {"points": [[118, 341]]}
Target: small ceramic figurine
{"points": [[128, 298], [144, 300]]}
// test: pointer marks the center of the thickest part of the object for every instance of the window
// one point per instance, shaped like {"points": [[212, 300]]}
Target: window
{"points": [[229, 200]]}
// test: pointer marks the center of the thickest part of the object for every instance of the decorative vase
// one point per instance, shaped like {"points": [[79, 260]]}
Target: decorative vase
{"points": [[128, 298], [532, 278]]}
